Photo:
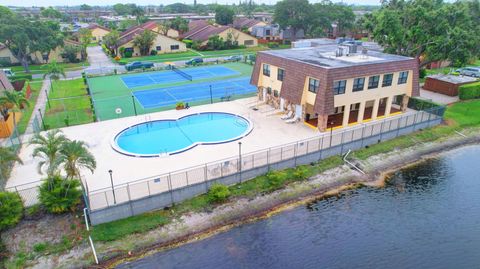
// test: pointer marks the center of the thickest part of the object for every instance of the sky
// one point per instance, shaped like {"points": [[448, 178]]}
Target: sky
{"points": [[37, 3]]}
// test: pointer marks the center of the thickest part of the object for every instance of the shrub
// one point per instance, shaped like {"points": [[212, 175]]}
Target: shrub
{"points": [[218, 193], [122, 51], [58, 195], [276, 179], [117, 58], [153, 52], [122, 62], [272, 45], [423, 73], [128, 54], [469, 91], [11, 208], [188, 43], [301, 172]]}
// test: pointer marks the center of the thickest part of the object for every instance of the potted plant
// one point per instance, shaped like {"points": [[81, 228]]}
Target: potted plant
{"points": [[180, 105]]}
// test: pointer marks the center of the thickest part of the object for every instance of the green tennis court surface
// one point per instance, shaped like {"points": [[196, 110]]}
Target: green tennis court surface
{"points": [[117, 95]]}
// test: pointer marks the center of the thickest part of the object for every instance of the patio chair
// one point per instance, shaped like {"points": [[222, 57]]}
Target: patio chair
{"points": [[294, 120], [287, 116]]}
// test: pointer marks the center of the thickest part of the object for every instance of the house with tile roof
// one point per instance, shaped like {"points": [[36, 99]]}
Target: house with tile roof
{"points": [[7, 57], [98, 31], [247, 23], [201, 31], [162, 43]]}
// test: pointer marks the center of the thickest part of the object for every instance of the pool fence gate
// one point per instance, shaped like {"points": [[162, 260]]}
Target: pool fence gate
{"points": [[163, 190]]}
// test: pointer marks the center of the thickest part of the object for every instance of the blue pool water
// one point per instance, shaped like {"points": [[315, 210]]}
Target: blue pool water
{"points": [[161, 77], [173, 136]]}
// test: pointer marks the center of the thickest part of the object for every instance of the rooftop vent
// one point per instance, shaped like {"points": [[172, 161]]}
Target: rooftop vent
{"points": [[364, 53]]}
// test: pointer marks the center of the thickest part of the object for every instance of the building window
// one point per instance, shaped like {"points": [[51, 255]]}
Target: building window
{"points": [[248, 42], [313, 85], [338, 110], [266, 70], [269, 90], [373, 82], [402, 79], [387, 80], [267, 32], [275, 93], [158, 48], [339, 87], [94, 38], [358, 84], [174, 47], [280, 74]]}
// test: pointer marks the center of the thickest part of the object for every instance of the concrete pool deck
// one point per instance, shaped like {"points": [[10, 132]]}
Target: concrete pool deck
{"points": [[268, 131]]}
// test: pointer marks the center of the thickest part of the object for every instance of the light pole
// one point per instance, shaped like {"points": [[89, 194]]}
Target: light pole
{"points": [[211, 97], [331, 131], [240, 159], [113, 190]]}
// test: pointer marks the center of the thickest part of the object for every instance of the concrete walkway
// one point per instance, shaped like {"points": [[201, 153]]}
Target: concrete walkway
{"points": [[40, 105], [97, 58]]}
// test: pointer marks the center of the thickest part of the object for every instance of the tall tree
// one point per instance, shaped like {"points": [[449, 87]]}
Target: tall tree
{"points": [[51, 13], [47, 147], [180, 24], [74, 156], [164, 26], [296, 14], [112, 41], [224, 15], [49, 40], [85, 37], [144, 41], [429, 30]]}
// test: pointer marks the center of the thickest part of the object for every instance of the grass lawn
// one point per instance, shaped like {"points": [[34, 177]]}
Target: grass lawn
{"points": [[27, 112], [69, 104], [42, 68], [459, 115]]}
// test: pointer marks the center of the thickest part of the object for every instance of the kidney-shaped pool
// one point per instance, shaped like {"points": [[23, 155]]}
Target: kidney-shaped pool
{"points": [[157, 138]]}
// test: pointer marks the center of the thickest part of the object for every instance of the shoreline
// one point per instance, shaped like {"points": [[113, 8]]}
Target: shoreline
{"points": [[198, 226]]}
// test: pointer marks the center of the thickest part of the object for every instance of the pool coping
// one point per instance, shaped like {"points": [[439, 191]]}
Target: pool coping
{"points": [[116, 147]]}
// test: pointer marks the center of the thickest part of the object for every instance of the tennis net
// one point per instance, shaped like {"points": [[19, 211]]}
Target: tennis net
{"points": [[183, 74]]}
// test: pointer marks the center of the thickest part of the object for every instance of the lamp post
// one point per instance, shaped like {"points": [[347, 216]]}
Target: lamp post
{"points": [[41, 118], [113, 190], [240, 159], [211, 97], [331, 132]]}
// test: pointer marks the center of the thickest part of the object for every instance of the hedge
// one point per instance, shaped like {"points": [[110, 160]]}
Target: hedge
{"points": [[469, 91], [21, 77]]}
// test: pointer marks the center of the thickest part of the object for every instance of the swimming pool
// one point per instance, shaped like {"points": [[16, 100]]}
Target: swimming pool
{"points": [[163, 137]]}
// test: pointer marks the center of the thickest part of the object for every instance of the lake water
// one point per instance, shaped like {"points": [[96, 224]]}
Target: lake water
{"points": [[428, 216]]}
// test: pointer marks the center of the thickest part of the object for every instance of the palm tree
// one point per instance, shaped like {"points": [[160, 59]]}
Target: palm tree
{"points": [[144, 41], [84, 37], [48, 148], [54, 71], [7, 156], [74, 156], [15, 102]]}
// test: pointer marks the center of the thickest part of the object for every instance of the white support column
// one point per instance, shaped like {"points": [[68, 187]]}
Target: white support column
{"points": [[375, 109], [346, 115], [361, 112], [388, 107], [282, 104]]}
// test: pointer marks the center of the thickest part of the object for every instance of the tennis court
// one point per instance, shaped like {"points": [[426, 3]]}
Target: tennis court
{"points": [[224, 89], [170, 76]]}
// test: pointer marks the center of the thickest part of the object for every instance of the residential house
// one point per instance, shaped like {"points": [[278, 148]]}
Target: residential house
{"points": [[269, 32], [335, 85], [153, 26], [98, 32], [246, 24], [7, 57], [162, 43], [202, 30], [287, 34]]}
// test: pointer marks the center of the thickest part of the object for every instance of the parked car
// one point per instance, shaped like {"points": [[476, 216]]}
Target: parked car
{"points": [[194, 61], [234, 58], [469, 71], [8, 72], [138, 65]]}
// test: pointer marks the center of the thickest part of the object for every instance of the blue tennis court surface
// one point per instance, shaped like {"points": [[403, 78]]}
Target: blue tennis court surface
{"points": [[194, 92], [170, 76]]}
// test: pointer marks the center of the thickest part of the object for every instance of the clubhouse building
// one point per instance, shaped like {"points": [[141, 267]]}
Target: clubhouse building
{"points": [[335, 85]]}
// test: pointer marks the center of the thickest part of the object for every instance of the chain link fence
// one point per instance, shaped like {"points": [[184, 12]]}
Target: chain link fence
{"points": [[157, 191]]}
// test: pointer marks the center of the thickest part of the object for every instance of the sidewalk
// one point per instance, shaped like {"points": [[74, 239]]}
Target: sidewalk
{"points": [[40, 105]]}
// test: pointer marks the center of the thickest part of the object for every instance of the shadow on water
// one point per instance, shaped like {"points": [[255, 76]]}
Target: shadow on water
{"points": [[426, 217]]}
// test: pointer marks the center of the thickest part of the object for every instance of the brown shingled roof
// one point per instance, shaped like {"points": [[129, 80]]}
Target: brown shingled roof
{"points": [[239, 23], [203, 33], [149, 25], [94, 25]]}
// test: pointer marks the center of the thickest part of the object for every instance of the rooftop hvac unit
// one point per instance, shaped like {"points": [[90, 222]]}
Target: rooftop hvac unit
{"points": [[339, 52], [364, 53]]}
